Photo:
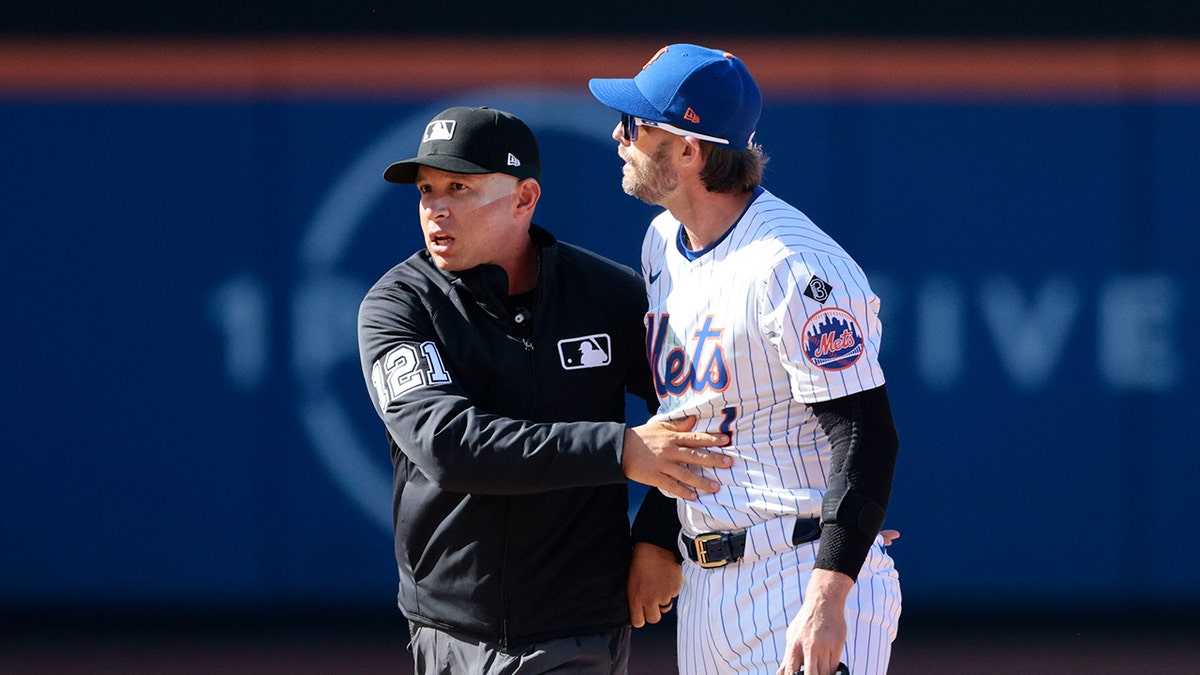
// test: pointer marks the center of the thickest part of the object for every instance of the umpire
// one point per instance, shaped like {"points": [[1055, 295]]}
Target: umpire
{"points": [[499, 359]]}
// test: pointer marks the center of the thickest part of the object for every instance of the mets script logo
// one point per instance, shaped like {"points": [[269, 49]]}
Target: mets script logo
{"points": [[832, 340], [676, 371], [589, 351]]}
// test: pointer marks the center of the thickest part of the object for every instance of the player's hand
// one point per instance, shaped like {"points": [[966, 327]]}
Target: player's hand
{"points": [[889, 536], [658, 453], [654, 582], [817, 636]]}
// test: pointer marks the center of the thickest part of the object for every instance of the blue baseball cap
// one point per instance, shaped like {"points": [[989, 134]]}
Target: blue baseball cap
{"points": [[693, 88]]}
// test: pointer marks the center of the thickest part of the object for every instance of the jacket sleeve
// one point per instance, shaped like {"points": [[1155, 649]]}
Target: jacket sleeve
{"points": [[458, 446], [657, 522]]}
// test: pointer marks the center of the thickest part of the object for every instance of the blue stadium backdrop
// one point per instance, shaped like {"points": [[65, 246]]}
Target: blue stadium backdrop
{"points": [[183, 424]]}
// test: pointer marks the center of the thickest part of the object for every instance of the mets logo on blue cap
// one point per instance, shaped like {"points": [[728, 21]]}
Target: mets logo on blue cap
{"points": [[832, 339]]}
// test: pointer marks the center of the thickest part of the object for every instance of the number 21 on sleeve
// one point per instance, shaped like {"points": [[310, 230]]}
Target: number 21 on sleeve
{"points": [[402, 370]]}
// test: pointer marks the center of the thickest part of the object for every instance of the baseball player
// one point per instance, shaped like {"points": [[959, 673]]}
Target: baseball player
{"points": [[764, 328]]}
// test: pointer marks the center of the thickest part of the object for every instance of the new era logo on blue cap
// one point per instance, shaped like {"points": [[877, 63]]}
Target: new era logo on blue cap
{"points": [[696, 89]]}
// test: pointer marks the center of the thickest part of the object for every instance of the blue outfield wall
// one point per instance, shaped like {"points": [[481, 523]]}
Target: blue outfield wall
{"points": [[183, 424]]}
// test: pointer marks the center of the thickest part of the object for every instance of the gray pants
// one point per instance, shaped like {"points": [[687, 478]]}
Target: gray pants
{"points": [[438, 652]]}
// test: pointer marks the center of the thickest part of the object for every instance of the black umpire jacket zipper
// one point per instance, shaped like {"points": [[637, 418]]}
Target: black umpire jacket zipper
{"points": [[522, 323], [523, 332], [504, 577]]}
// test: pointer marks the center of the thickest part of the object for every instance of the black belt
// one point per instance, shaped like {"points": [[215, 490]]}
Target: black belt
{"points": [[718, 549]]}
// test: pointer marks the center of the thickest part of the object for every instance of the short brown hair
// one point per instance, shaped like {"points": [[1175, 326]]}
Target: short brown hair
{"points": [[728, 171]]}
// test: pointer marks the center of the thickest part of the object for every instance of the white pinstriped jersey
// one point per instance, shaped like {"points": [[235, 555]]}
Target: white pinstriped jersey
{"points": [[744, 334]]}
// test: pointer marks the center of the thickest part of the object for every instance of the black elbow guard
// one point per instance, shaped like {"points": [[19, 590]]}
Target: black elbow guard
{"points": [[850, 508], [863, 437]]}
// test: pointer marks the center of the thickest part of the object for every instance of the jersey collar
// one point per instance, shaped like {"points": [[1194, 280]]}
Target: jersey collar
{"points": [[691, 255]]}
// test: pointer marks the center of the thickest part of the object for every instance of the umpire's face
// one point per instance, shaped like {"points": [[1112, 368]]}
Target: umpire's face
{"points": [[474, 219]]}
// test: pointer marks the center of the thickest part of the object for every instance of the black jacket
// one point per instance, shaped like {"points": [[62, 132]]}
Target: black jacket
{"points": [[511, 531]]}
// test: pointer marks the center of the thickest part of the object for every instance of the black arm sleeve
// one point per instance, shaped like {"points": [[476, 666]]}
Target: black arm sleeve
{"points": [[657, 522], [863, 436]]}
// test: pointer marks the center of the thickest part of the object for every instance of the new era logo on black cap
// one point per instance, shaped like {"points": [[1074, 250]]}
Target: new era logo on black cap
{"points": [[473, 140]]}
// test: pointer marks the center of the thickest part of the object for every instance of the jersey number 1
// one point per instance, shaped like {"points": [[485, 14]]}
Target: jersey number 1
{"points": [[727, 423]]}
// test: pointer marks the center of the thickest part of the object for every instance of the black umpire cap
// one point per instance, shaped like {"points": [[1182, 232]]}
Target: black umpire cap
{"points": [[473, 140]]}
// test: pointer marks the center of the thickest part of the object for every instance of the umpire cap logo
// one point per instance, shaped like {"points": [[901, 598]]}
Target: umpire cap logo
{"points": [[439, 130], [589, 351]]}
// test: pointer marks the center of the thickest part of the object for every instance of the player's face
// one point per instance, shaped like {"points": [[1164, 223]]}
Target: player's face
{"points": [[648, 173], [468, 219]]}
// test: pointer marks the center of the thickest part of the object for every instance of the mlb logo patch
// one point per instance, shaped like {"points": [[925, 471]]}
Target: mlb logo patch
{"points": [[589, 351], [832, 339], [439, 130]]}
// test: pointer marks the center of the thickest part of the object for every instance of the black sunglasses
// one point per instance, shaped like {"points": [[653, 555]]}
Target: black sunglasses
{"points": [[629, 127]]}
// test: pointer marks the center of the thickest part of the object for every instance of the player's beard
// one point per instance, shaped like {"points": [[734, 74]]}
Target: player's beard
{"points": [[651, 177]]}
